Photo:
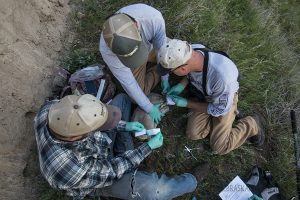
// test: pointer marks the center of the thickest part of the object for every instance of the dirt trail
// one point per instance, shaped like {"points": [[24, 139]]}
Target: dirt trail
{"points": [[31, 39]]}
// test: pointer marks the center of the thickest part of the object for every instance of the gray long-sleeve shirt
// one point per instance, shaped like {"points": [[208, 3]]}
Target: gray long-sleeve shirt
{"points": [[222, 82], [152, 27]]}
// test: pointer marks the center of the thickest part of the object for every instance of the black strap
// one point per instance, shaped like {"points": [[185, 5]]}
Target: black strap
{"points": [[209, 50], [204, 75], [205, 65]]}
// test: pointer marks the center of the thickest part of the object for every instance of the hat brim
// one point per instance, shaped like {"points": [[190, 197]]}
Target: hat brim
{"points": [[113, 118], [139, 58], [162, 71]]}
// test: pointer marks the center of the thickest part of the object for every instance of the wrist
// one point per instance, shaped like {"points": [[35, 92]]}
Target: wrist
{"points": [[185, 103], [145, 149], [121, 126], [165, 77], [184, 82], [148, 108], [182, 86], [152, 108], [149, 144]]}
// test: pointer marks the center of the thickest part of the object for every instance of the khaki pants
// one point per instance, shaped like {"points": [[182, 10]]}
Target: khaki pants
{"points": [[146, 75], [224, 137]]}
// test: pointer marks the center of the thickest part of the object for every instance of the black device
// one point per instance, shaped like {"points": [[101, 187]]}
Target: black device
{"points": [[296, 146]]}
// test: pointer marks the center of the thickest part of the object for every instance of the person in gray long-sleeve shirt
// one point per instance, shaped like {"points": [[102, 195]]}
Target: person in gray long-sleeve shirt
{"points": [[211, 79], [131, 37]]}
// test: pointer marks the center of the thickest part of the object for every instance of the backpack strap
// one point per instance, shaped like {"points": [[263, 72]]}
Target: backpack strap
{"points": [[205, 65], [209, 50]]}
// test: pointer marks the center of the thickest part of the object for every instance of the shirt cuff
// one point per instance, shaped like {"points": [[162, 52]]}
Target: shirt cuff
{"points": [[121, 126], [165, 77], [148, 107], [145, 149]]}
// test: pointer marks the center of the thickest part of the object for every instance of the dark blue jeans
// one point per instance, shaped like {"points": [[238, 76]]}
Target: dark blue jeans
{"points": [[141, 185], [121, 141]]}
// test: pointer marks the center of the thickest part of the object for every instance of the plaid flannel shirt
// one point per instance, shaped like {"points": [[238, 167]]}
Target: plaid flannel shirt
{"points": [[82, 166]]}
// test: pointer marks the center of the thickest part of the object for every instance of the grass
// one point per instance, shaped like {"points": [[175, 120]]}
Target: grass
{"points": [[263, 40]]}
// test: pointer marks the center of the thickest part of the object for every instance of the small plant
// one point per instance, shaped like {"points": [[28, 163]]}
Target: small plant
{"points": [[78, 59]]}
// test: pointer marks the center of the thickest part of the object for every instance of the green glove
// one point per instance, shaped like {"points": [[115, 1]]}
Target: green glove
{"points": [[254, 197], [179, 101], [134, 126], [155, 113], [165, 86], [156, 141], [175, 90]]}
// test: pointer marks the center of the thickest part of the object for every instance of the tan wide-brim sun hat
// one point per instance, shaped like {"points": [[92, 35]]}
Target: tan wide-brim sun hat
{"points": [[123, 37], [78, 115]]}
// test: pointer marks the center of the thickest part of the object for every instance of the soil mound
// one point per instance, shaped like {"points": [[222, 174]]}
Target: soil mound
{"points": [[31, 39]]}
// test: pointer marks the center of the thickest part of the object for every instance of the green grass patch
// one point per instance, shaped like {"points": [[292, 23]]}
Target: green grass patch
{"points": [[262, 38]]}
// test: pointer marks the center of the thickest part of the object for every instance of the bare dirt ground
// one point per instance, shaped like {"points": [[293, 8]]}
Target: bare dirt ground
{"points": [[31, 36]]}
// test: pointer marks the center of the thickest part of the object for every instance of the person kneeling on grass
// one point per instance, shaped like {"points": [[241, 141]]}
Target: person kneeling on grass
{"points": [[86, 149], [212, 80]]}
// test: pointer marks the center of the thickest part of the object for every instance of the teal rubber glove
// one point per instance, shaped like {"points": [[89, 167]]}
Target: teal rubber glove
{"points": [[179, 101], [254, 197], [155, 113], [156, 141], [134, 126], [175, 90], [165, 86]]}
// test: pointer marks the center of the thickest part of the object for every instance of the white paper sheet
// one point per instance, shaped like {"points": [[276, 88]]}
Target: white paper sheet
{"points": [[153, 131], [148, 132], [236, 190], [170, 101], [139, 133]]}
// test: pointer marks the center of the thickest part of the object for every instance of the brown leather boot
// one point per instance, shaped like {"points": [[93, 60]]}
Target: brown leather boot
{"points": [[201, 171], [259, 139]]}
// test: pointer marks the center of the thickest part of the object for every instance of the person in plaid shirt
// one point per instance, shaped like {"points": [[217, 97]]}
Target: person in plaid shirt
{"points": [[85, 148]]}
